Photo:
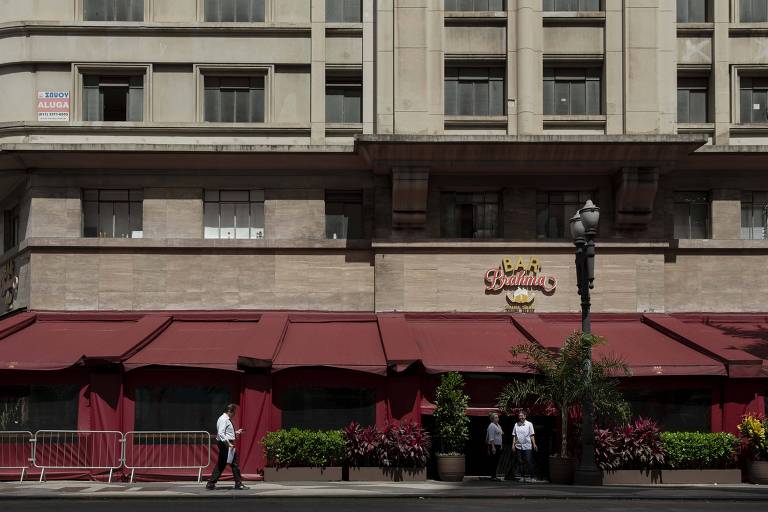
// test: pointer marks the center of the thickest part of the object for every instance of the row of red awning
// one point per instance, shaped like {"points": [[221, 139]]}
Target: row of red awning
{"points": [[652, 344]]}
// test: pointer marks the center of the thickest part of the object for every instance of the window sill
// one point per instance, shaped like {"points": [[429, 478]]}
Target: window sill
{"points": [[748, 29], [476, 121], [108, 127], [750, 128], [343, 129], [571, 121], [352, 28], [573, 17], [35, 27], [695, 28], [474, 17], [190, 243], [695, 127]]}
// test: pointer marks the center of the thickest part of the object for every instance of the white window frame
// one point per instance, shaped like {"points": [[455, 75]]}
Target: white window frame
{"points": [[736, 14], [737, 72], [250, 202], [80, 69], [80, 14], [269, 9], [201, 70]]}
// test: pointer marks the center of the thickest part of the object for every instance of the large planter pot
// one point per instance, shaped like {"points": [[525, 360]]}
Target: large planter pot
{"points": [[758, 472], [451, 468], [671, 476], [367, 474], [561, 470], [329, 474]]}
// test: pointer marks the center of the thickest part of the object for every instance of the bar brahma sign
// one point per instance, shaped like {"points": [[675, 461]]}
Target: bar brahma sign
{"points": [[520, 278]]}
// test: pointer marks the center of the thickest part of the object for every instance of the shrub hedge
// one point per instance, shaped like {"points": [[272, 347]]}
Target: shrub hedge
{"points": [[700, 450], [304, 448]]}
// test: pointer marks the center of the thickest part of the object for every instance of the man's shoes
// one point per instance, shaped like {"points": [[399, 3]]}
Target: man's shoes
{"points": [[210, 486], [240, 487]]}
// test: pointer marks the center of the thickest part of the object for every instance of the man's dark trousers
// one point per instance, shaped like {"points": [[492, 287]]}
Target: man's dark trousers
{"points": [[525, 462], [222, 463]]}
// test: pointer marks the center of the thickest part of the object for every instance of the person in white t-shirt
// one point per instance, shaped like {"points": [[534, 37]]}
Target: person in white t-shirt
{"points": [[523, 445], [493, 443]]}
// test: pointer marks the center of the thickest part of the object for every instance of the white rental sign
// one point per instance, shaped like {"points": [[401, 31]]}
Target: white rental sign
{"points": [[53, 105]]}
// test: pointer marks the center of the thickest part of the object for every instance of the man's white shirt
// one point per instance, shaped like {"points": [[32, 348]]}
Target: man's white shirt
{"points": [[225, 430], [523, 435]]}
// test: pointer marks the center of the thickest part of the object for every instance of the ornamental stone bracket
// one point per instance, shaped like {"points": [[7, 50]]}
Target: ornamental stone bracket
{"points": [[636, 189], [410, 187]]}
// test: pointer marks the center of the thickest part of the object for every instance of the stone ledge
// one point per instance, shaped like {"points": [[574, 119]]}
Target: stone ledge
{"points": [[196, 244]]}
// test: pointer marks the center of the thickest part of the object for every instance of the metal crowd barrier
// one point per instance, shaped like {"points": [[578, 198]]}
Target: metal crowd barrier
{"points": [[167, 450], [16, 450], [78, 449]]}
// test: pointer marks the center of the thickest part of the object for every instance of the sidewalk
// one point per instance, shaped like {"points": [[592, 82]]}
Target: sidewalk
{"points": [[429, 489]]}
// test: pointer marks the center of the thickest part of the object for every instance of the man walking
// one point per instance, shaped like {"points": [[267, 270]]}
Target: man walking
{"points": [[493, 443], [225, 437], [523, 445]]}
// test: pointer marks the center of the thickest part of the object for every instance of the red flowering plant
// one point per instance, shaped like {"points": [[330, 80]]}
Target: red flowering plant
{"points": [[398, 445], [637, 445], [361, 445]]}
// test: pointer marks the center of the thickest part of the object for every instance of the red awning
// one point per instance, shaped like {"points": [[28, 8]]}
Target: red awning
{"points": [[466, 343], [58, 341], [646, 350], [350, 342]]}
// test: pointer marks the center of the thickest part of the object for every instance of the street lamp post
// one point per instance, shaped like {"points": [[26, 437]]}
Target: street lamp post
{"points": [[583, 230]]}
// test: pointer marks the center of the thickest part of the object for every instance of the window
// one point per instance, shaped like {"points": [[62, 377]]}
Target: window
{"points": [[692, 11], [754, 99], [753, 11], [113, 10], [343, 214], [243, 11], [234, 99], [234, 214], [571, 5], [474, 91], [11, 228], [470, 215], [113, 213], [113, 98], [691, 212], [343, 100], [692, 99], [39, 407], [180, 408], [326, 408], [676, 410], [474, 5], [754, 215], [343, 11], [554, 211], [572, 91]]}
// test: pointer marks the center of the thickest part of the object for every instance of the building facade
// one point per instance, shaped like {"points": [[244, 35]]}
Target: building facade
{"points": [[376, 158]]}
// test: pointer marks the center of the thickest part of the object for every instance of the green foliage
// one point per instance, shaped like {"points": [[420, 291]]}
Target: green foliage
{"points": [[451, 421], [700, 450], [559, 381], [303, 448]]}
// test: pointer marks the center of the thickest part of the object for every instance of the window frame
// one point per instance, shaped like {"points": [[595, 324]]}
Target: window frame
{"points": [[448, 5], [582, 196], [597, 76], [80, 70], [741, 78], [250, 204], [248, 88], [80, 14], [343, 10], [99, 202], [708, 219], [753, 207], [26, 390], [268, 9], [708, 10], [12, 223], [456, 229], [736, 9], [267, 71], [601, 6], [692, 79], [348, 197], [462, 72], [344, 80]]}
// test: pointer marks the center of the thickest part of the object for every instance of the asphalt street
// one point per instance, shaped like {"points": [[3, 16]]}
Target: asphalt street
{"points": [[375, 505]]}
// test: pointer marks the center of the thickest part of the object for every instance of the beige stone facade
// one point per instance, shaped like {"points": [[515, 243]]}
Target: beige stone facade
{"points": [[404, 155]]}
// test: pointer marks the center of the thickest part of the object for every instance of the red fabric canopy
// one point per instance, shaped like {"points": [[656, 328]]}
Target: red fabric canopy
{"points": [[646, 350], [466, 343], [350, 342]]}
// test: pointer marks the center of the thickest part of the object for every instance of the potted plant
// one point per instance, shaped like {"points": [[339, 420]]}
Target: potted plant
{"points": [[754, 431], [303, 455], [397, 453], [451, 426], [558, 382]]}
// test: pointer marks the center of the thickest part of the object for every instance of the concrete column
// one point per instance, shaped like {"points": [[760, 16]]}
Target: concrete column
{"points": [[369, 71], [435, 66], [529, 67], [720, 81], [317, 109], [511, 79], [726, 214], [613, 70], [411, 67], [385, 67]]}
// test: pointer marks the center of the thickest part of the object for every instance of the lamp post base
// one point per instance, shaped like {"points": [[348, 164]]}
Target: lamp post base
{"points": [[588, 476]]}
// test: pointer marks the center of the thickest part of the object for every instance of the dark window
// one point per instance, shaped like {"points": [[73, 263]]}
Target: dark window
{"points": [[327, 408], [234, 214], [754, 215], [343, 11], [113, 98], [343, 214], [754, 99], [343, 100], [474, 91], [691, 212], [470, 215], [113, 213], [692, 100], [753, 11], [234, 10], [39, 407], [475, 5], [571, 5], [234, 99], [554, 211], [113, 10], [179, 407], [572, 91], [11, 228], [692, 11], [676, 410]]}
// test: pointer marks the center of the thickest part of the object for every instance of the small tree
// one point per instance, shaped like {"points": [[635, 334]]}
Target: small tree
{"points": [[559, 381], [451, 421]]}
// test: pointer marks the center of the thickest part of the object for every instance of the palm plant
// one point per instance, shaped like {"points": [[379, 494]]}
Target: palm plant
{"points": [[559, 381]]}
